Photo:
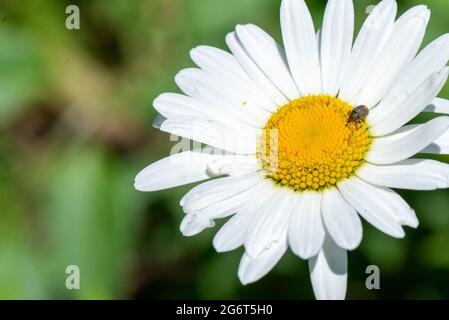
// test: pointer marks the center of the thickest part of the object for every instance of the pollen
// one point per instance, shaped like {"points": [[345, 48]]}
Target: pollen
{"points": [[311, 143]]}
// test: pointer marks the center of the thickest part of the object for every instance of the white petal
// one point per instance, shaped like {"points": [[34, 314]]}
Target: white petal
{"points": [[394, 204], [254, 72], [225, 96], [329, 272], [438, 105], [398, 51], [336, 43], [271, 222], [301, 46], [230, 201], [212, 133], [214, 191], [171, 105], [439, 146], [225, 66], [215, 60], [398, 147], [176, 170], [415, 174], [251, 270], [368, 201], [235, 200], [235, 231], [400, 106], [341, 220], [191, 225], [370, 39], [234, 166], [405, 131], [269, 56], [306, 231], [420, 11], [431, 59], [174, 104]]}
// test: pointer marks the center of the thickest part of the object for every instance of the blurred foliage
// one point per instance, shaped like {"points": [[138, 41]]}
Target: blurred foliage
{"points": [[75, 121]]}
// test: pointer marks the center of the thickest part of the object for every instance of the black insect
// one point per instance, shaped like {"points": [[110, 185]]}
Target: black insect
{"points": [[359, 113]]}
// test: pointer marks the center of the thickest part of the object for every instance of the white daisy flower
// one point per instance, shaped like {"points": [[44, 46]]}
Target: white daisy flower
{"points": [[315, 135]]}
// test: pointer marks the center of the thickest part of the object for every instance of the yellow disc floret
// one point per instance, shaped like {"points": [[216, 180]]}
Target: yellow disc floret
{"points": [[311, 143]]}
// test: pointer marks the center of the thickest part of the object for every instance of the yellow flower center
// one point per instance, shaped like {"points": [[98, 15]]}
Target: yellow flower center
{"points": [[313, 143]]}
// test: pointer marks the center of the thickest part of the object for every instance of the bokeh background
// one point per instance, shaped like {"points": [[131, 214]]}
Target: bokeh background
{"points": [[75, 128]]}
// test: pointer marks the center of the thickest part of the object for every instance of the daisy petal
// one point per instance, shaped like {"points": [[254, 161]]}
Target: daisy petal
{"points": [[301, 46], [438, 105], [175, 105], [225, 66], [224, 95], [270, 223], [234, 232], [415, 174], [269, 56], [176, 170], [430, 60], [398, 147], [196, 221], [253, 269], [420, 11], [368, 200], [306, 231], [253, 71], [234, 166], [329, 272], [336, 43], [398, 51], [171, 105], [233, 201], [211, 192], [368, 43], [439, 146], [341, 220], [211, 133], [400, 106]]}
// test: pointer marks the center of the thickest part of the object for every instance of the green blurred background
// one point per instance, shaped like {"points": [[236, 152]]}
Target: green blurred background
{"points": [[75, 128]]}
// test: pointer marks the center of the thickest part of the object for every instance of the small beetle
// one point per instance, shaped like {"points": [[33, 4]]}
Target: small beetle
{"points": [[358, 113]]}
